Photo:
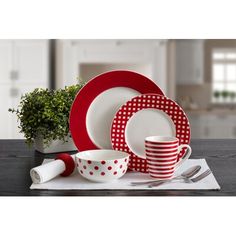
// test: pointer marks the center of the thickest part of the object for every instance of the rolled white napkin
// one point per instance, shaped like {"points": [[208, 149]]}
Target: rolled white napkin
{"points": [[46, 172]]}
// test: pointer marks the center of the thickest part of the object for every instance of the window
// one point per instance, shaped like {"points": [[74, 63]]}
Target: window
{"points": [[224, 76]]}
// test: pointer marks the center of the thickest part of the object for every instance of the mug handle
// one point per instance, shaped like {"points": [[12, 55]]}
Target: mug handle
{"points": [[186, 155]]}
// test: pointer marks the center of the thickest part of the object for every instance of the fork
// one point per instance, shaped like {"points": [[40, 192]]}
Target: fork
{"points": [[186, 180], [189, 173]]}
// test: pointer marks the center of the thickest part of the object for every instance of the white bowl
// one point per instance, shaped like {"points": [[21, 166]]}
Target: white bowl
{"points": [[102, 165]]}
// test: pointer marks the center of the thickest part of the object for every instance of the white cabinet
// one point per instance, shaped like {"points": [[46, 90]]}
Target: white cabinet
{"points": [[220, 126], [189, 61], [213, 126], [197, 126], [6, 61], [23, 66], [6, 117], [31, 61], [147, 57]]}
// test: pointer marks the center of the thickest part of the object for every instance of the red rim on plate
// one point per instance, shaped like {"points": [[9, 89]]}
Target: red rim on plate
{"points": [[146, 101], [95, 87]]}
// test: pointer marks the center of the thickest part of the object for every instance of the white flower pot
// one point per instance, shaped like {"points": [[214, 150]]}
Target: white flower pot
{"points": [[54, 146]]}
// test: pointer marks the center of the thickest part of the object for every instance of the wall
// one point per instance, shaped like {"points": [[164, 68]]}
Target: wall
{"points": [[201, 94], [88, 71]]}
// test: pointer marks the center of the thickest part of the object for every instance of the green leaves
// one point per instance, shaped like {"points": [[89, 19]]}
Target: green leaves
{"points": [[46, 112]]}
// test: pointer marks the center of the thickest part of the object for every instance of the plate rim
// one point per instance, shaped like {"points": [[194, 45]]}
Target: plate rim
{"points": [[133, 157], [95, 86]]}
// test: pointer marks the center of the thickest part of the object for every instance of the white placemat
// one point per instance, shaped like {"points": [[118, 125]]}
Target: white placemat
{"points": [[77, 182]]}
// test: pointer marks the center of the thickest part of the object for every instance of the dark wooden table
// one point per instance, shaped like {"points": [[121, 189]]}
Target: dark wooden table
{"points": [[16, 160]]}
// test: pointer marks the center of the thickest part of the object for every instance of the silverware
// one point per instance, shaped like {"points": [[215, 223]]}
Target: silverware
{"points": [[186, 180], [186, 174], [199, 177]]}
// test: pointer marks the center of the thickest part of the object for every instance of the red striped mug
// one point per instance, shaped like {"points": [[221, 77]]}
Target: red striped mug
{"points": [[162, 155]]}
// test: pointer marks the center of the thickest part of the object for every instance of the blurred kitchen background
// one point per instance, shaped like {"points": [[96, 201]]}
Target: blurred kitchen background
{"points": [[199, 74]]}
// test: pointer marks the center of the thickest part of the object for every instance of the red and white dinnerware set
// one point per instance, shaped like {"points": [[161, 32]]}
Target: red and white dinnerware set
{"points": [[122, 120]]}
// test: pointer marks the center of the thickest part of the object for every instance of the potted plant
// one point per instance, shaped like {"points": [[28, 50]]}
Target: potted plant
{"points": [[44, 118], [232, 96], [217, 95], [224, 94]]}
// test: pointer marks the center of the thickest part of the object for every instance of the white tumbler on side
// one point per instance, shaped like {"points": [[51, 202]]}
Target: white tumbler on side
{"points": [[46, 172]]}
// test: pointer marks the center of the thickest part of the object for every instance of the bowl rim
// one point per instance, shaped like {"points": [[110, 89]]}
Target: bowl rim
{"points": [[82, 155]]}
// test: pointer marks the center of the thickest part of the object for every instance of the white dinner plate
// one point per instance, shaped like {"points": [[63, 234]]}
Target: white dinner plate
{"points": [[98, 101]]}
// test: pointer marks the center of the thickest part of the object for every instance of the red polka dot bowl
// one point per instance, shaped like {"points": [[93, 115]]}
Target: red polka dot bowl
{"points": [[102, 165]]}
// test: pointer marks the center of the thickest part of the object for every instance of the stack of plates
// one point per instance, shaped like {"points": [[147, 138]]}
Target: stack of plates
{"points": [[118, 109]]}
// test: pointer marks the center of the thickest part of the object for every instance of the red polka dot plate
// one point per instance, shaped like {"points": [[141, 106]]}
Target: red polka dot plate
{"points": [[98, 101], [143, 116]]}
